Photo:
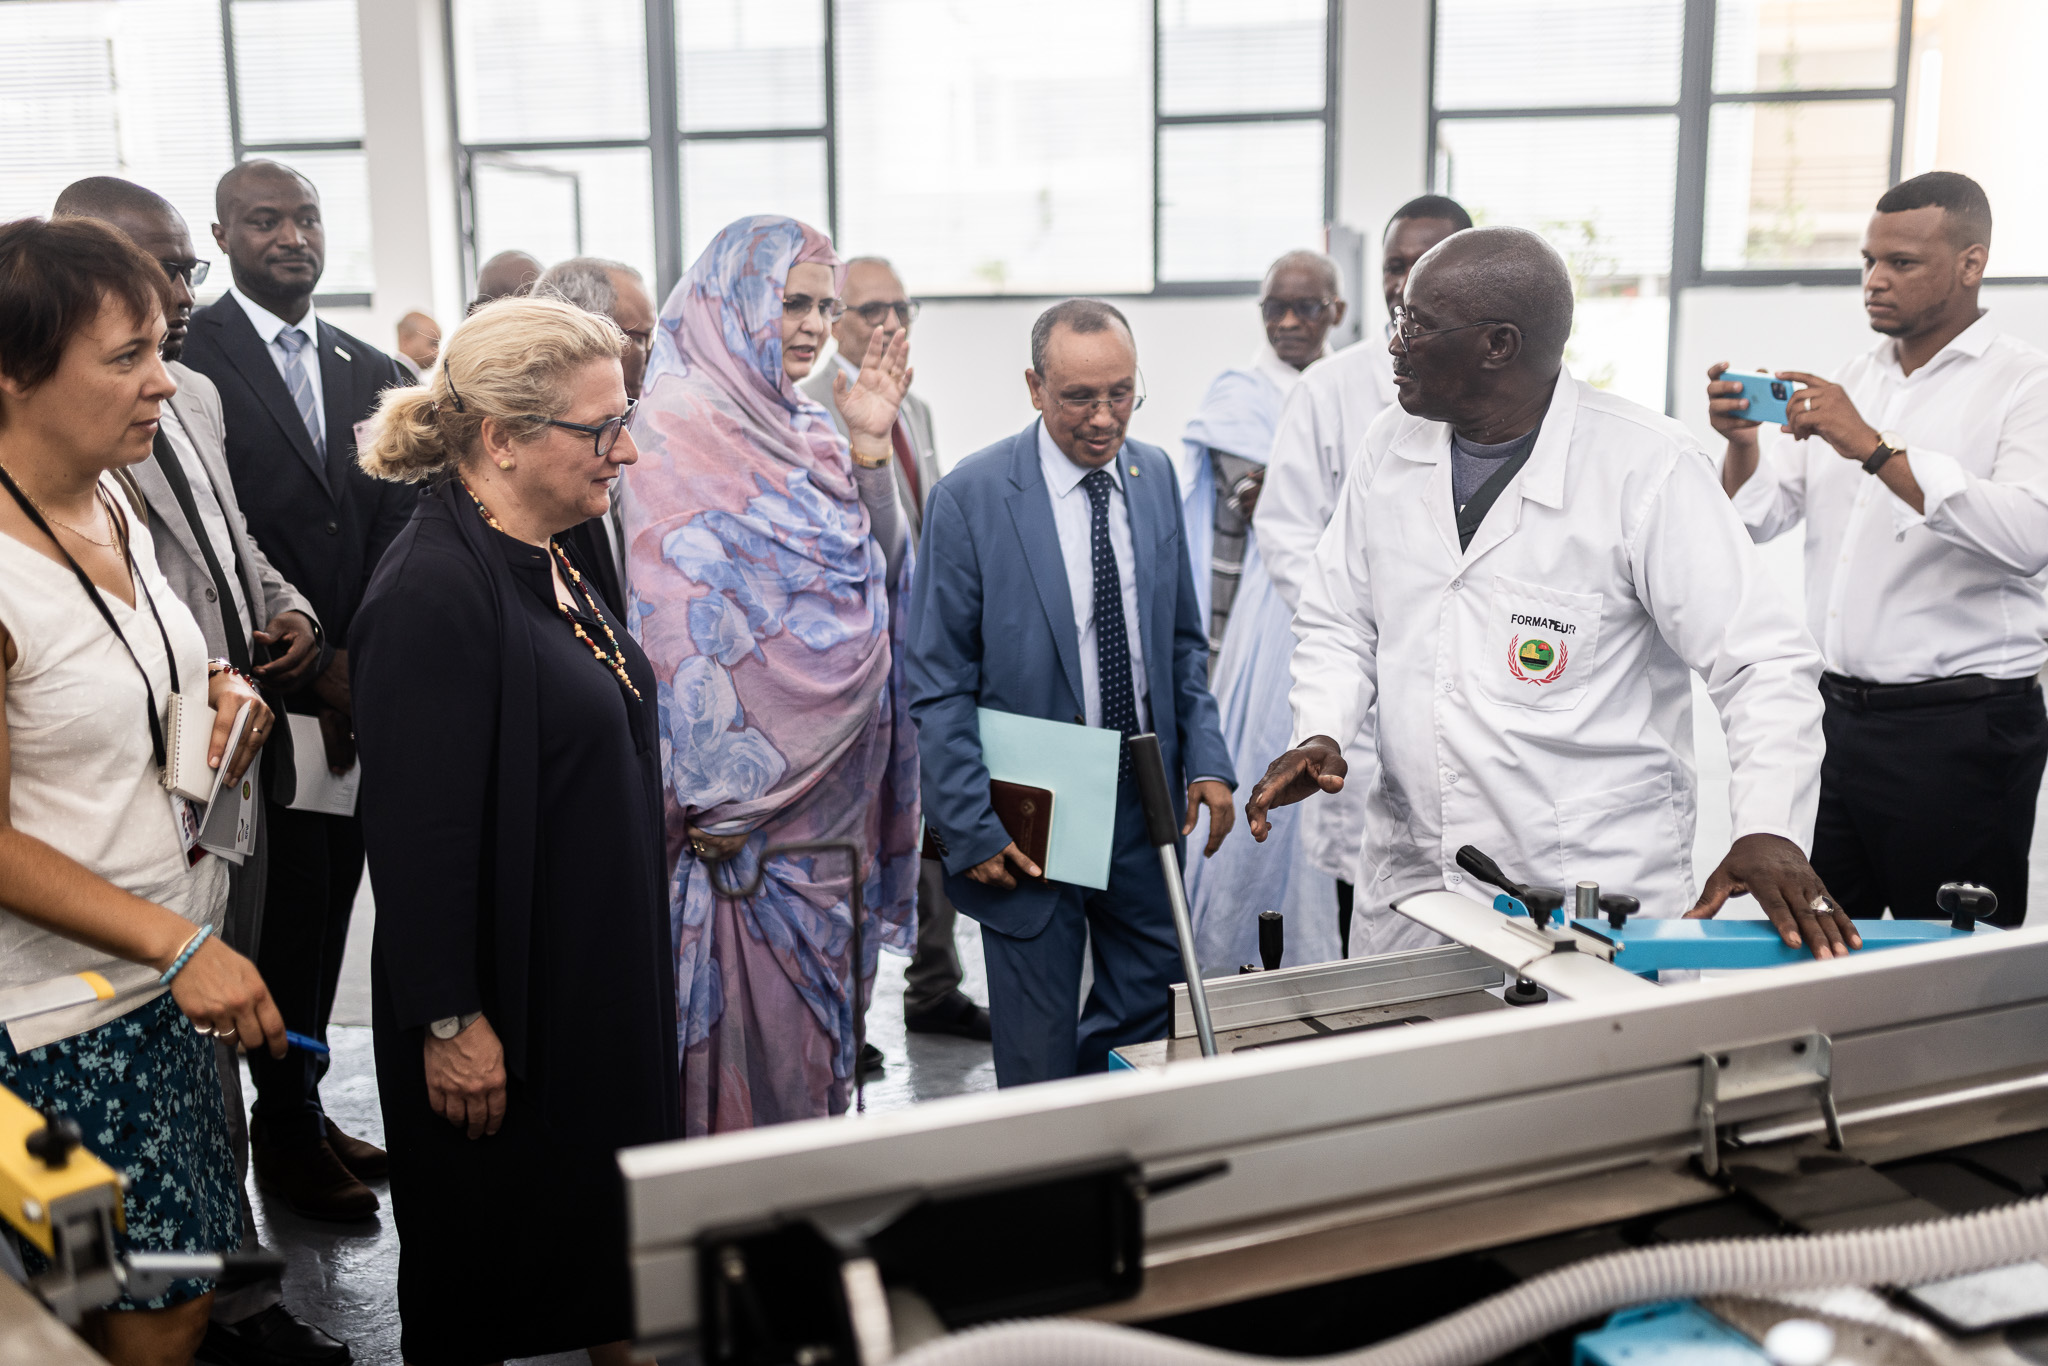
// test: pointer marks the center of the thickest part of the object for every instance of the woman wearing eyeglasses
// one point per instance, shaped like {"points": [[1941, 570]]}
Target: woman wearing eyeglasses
{"points": [[511, 800], [766, 554]]}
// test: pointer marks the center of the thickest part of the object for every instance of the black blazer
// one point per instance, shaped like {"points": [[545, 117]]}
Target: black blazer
{"points": [[323, 525]]}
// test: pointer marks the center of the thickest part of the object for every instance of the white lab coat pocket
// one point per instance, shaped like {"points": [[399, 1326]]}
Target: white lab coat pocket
{"points": [[1627, 839], [1541, 645]]}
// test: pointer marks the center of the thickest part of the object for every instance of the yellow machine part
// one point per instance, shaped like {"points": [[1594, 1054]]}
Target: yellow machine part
{"points": [[30, 1191]]}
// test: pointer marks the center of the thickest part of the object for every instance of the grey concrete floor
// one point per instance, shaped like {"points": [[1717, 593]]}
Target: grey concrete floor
{"points": [[344, 1276]]}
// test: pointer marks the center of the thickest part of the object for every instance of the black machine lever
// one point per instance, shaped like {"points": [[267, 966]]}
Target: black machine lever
{"points": [[1272, 939], [1966, 903], [1148, 766], [54, 1143], [1542, 902]]}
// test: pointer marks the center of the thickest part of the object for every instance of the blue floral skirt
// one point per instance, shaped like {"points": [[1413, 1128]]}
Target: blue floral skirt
{"points": [[147, 1098]]}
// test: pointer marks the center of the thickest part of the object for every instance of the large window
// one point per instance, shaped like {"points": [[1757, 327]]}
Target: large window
{"points": [[170, 93], [1179, 148], [1668, 143]]}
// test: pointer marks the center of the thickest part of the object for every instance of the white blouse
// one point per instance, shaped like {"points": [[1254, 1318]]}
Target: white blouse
{"points": [[83, 776]]}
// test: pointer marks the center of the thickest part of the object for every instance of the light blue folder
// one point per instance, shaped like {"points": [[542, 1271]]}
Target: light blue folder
{"points": [[1078, 765]]}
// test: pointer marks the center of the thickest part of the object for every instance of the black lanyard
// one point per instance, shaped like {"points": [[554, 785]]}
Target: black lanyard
{"points": [[156, 728]]}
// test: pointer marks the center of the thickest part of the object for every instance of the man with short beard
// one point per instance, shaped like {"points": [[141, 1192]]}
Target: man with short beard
{"points": [[1925, 499]]}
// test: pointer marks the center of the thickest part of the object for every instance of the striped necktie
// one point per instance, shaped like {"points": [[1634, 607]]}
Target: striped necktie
{"points": [[293, 343]]}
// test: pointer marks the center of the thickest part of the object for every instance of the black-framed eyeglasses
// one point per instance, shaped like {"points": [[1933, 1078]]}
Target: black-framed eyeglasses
{"points": [[1310, 311], [603, 435], [194, 270], [799, 306], [904, 309], [1408, 334]]}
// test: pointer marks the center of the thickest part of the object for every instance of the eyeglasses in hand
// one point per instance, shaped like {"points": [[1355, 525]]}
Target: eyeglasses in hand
{"points": [[603, 435], [799, 306], [1408, 334], [193, 269], [1310, 311], [904, 309]]}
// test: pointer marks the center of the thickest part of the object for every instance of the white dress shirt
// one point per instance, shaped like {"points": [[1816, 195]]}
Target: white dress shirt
{"points": [[211, 517], [268, 325], [1071, 516], [1895, 596]]}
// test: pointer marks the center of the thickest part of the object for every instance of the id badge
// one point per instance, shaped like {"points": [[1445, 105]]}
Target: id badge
{"points": [[187, 817]]}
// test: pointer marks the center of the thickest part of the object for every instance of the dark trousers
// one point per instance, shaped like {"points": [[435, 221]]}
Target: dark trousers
{"points": [[934, 972], [1915, 797], [316, 862], [1034, 985]]}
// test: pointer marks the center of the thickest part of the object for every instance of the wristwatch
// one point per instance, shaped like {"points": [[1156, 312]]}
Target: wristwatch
{"points": [[449, 1026], [1889, 444]]}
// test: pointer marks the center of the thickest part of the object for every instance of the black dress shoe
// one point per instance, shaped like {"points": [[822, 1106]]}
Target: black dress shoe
{"points": [[954, 1014], [365, 1161], [872, 1059], [275, 1337], [312, 1180]]}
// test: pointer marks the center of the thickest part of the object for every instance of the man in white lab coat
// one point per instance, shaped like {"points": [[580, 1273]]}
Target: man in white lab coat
{"points": [[1520, 573], [1320, 428]]}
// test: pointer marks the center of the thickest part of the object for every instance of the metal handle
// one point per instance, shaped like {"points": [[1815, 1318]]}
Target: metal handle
{"points": [[1149, 768]]}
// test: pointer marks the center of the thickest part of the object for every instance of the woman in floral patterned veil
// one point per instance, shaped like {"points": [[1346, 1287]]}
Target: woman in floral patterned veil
{"points": [[765, 557]]}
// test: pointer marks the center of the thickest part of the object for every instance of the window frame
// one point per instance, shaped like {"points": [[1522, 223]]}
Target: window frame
{"points": [[666, 138], [243, 150], [1697, 100]]}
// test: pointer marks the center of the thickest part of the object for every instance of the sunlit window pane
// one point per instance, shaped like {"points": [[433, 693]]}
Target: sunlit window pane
{"points": [[723, 181], [1530, 54], [543, 71], [1805, 45], [1974, 109], [1232, 196], [344, 184], [132, 88], [1792, 185], [299, 70], [751, 63], [1015, 156], [1235, 56], [555, 205], [1601, 189]]}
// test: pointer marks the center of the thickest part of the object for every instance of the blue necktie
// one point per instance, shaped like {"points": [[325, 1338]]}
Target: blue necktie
{"points": [[293, 342], [1112, 638]]}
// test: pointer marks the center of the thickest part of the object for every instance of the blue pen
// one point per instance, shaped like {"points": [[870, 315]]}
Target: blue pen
{"points": [[307, 1042]]}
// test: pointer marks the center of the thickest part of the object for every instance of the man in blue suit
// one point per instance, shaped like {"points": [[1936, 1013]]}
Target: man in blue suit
{"points": [[1053, 582]]}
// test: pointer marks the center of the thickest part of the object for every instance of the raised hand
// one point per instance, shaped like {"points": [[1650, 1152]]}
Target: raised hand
{"points": [[869, 404]]}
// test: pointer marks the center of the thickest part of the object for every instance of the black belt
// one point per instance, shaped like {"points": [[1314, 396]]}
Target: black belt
{"points": [[1855, 692]]}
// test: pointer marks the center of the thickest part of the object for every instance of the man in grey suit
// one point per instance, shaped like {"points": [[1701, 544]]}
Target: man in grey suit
{"points": [[259, 623], [875, 298]]}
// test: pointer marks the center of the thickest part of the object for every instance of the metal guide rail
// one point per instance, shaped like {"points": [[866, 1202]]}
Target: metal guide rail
{"points": [[1202, 1182]]}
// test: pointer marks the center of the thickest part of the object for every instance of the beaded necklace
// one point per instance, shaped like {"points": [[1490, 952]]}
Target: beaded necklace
{"points": [[614, 658]]}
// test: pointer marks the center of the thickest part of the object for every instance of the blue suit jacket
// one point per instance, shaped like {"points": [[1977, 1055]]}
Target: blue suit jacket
{"points": [[992, 625]]}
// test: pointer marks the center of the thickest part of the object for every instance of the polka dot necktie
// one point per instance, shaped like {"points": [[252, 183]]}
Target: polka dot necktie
{"points": [[1112, 639]]}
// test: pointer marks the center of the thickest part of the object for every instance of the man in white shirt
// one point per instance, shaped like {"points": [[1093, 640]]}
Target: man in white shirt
{"points": [[1520, 576], [1925, 500], [1320, 428]]}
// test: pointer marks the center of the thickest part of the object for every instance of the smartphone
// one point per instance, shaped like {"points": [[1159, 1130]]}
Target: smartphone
{"points": [[1767, 395]]}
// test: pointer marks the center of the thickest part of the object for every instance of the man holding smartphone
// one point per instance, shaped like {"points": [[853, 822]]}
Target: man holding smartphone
{"points": [[1921, 473]]}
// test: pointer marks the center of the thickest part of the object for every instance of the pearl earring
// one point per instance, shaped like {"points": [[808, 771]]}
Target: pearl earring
{"points": [[504, 464]]}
